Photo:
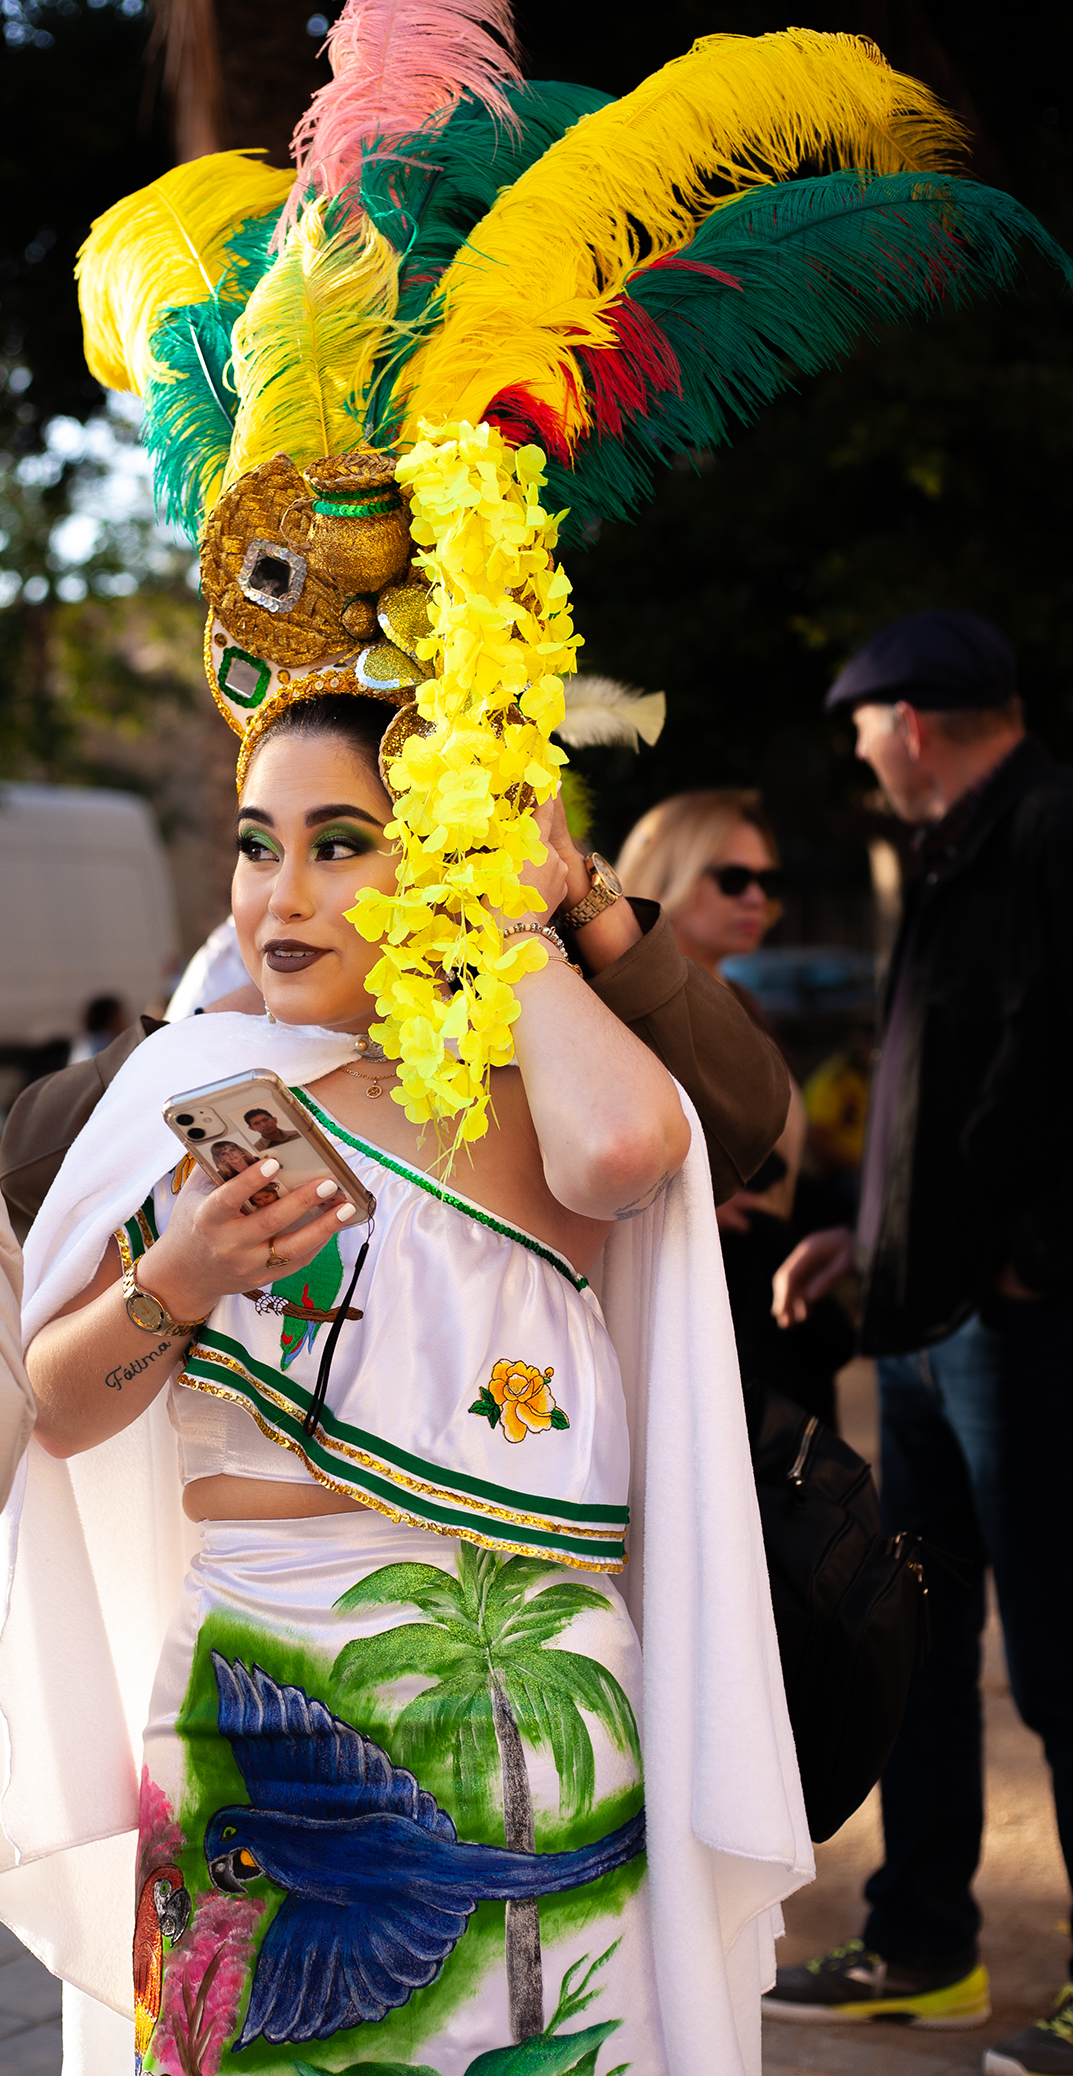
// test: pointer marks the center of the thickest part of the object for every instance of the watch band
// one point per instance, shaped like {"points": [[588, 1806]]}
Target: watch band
{"points": [[147, 1312], [592, 904]]}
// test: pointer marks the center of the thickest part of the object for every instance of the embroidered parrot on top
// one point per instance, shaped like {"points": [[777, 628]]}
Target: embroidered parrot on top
{"points": [[315, 1288]]}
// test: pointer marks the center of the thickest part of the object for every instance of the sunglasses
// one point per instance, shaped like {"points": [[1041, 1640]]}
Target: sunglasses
{"points": [[735, 879]]}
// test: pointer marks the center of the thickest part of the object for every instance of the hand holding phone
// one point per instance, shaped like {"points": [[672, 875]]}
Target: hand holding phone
{"points": [[268, 1193], [231, 1126], [216, 1245]]}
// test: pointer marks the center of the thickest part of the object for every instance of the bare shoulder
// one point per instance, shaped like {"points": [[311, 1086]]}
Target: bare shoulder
{"points": [[503, 1172]]}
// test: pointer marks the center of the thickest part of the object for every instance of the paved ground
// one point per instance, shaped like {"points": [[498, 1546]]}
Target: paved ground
{"points": [[29, 2013], [1021, 1887]]}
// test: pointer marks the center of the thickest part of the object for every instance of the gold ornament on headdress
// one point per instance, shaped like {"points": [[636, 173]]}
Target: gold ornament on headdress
{"points": [[311, 592]]}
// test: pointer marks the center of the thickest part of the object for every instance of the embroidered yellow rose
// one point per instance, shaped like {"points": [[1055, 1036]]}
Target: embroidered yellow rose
{"points": [[519, 1399]]}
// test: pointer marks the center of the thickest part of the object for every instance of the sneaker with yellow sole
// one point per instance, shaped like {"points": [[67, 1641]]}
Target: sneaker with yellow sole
{"points": [[1045, 2049], [851, 1985]]}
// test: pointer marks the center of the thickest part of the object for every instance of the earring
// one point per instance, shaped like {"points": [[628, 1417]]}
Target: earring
{"points": [[270, 1016]]}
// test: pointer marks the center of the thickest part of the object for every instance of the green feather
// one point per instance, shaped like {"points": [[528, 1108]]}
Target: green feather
{"points": [[190, 408], [428, 195], [819, 264]]}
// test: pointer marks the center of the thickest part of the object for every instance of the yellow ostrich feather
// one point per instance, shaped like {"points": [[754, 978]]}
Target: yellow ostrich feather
{"points": [[632, 182], [162, 247], [305, 343]]}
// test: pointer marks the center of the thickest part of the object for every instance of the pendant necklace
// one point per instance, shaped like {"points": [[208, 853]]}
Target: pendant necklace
{"points": [[368, 1049]]}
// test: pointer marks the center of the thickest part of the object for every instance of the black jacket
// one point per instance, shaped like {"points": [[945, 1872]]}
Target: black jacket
{"points": [[981, 1162]]}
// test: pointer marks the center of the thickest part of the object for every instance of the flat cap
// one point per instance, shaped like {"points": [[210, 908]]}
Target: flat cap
{"points": [[934, 660]]}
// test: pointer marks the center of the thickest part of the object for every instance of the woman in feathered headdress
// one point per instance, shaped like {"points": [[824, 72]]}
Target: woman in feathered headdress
{"points": [[391, 1809]]}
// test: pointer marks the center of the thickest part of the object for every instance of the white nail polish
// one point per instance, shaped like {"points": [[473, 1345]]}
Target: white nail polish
{"points": [[345, 1211], [327, 1189], [269, 1168]]}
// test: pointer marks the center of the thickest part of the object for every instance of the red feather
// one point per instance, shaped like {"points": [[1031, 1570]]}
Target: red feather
{"points": [[619, 380], [521, 417]]}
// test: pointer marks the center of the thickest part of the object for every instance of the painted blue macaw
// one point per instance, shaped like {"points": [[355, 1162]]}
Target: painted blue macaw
{"points": [[379, 1885]]}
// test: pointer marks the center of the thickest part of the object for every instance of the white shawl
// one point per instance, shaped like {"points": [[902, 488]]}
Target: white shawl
{"points": [[97, 1547]]}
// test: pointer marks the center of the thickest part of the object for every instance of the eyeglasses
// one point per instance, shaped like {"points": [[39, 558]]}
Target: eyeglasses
{"points": [[735, 879]]}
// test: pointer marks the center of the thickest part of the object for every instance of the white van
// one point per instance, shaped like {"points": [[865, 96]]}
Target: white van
{"points": [[87, 908]]}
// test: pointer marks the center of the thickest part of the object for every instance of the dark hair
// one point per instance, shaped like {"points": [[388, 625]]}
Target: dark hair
{"points": [[360, 722]]}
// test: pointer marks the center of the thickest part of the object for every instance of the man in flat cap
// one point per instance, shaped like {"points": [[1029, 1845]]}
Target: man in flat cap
{"points": [[964, 1245]]}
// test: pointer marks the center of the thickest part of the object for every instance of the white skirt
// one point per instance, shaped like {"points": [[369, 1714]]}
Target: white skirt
{"points": [[392, 1812]]}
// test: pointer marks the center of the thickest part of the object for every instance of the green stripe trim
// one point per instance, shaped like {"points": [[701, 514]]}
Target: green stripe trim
{"points": [[444, 1196], [597, 1548], [141, 1230], [288, 1387]]}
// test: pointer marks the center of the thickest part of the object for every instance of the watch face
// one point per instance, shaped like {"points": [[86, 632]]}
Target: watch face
{"points": [[607, 873], [146, 1311]]}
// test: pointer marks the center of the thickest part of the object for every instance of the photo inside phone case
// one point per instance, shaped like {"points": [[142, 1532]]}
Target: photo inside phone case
{"points": [[232, 1131]]}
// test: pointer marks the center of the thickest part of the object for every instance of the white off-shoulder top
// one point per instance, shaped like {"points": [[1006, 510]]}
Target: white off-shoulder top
{"points": [[479, 1394]]}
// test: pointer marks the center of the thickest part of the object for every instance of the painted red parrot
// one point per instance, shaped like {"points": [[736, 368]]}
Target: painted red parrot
{"points": [[163, 1913]]}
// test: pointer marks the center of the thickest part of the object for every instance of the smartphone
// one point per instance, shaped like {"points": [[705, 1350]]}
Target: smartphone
{"points": [[233, 1125]]}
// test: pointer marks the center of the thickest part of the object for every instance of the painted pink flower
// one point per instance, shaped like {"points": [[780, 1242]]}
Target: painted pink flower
{"points": [[159, 1836], [204, 1981]]}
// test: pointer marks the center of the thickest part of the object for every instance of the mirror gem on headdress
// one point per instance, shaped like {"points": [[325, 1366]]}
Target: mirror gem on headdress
{"points": [[244, 678], [272, 576]]}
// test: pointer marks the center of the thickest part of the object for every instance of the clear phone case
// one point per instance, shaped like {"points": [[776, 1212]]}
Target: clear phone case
{"points": [[229, 1126]]}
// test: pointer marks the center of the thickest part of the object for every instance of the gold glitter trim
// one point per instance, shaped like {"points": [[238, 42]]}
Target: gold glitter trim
{"points": [[443, 1493], [209, 659], [318, 683], [400, 1515]]}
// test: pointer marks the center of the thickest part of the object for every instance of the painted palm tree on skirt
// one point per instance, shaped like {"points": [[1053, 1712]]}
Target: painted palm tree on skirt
{"points": [[496, 1687]]}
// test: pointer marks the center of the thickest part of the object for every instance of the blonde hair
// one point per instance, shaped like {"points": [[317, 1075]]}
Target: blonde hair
{"points": [[666, 851]]}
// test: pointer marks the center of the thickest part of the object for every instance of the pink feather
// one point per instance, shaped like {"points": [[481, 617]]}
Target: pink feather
{"points": [[399, 65]]}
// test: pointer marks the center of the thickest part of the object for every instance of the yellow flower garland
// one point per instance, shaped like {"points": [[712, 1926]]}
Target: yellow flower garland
{"points": [[502, 638]]}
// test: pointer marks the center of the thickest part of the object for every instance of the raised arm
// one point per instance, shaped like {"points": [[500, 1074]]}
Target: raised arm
{"points": [[607, 1117], [730, 1069]]}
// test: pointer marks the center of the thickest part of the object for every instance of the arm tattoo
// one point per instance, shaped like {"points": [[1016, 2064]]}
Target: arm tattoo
{"points": [[644, 1203], [123, 1372]]}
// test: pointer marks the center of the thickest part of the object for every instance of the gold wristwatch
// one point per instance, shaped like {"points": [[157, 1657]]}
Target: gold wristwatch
{"points": [[603, 893], [147, 1311]]}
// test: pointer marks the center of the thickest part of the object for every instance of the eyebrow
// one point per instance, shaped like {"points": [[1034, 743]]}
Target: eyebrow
{"points": [[315, 815]]}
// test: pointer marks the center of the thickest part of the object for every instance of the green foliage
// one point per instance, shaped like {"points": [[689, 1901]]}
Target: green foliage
{"points": [[481, 1628], [573, 2054], [79, 129], [99, 630], [367, 2069], [551, 2054]]}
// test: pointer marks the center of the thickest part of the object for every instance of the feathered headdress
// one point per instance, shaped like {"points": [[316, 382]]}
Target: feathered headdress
{"points": [[483, 312]]}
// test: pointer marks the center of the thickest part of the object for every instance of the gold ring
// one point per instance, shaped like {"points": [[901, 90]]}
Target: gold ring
{"points": [[275, 1261]]}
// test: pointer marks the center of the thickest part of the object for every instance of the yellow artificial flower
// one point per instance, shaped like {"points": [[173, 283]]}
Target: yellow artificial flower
{"points": [[502, 640]]}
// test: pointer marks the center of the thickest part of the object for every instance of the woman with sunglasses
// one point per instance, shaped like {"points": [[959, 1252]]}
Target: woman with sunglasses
{"points": [[710, 858]]}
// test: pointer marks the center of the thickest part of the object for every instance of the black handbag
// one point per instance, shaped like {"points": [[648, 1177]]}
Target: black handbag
{"points": [[850, 1604]]}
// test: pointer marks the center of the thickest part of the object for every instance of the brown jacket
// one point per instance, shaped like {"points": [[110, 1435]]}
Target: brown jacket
{"points": [[691, 1022]]}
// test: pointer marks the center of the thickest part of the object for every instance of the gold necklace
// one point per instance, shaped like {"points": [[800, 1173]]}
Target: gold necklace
{"points": [[374, 1089]]}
